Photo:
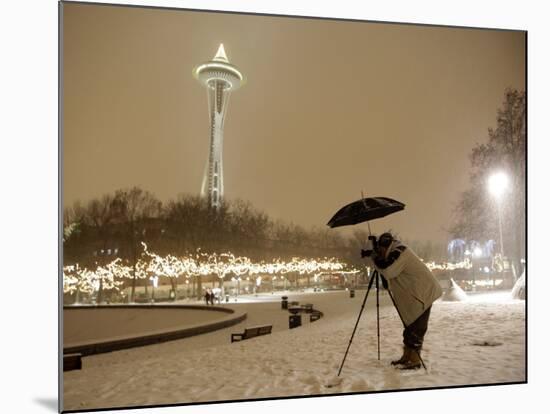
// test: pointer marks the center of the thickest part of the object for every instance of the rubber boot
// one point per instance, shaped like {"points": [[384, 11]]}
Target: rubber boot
{"points": [[404, 358], [413, 362]]}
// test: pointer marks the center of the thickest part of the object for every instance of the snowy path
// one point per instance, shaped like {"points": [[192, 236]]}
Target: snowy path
{"points": [[302, 360]]}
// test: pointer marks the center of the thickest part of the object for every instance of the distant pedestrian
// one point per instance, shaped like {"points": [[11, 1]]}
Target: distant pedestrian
{"points": [[208, 296]]}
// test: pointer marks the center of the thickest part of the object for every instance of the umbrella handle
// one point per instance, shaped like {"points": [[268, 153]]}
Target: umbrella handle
{"points": [[365, 204], [363, 198]]}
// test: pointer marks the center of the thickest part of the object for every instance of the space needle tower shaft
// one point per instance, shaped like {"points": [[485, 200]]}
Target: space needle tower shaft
{"points": [[220, 79]]}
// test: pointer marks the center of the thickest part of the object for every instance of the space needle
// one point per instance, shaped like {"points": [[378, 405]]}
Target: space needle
{"points": [[220, 79]]}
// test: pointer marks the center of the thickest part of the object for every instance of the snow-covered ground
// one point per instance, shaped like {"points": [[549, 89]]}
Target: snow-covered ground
{"points": [[477, 341]]}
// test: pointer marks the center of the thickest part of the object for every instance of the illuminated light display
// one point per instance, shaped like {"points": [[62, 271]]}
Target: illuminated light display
{"points": [[200, 264], [195, 265], [84, 280], [465, 264]]}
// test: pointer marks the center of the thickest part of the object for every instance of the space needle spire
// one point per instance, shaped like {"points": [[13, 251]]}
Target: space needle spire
{"points": [[220, 78]]}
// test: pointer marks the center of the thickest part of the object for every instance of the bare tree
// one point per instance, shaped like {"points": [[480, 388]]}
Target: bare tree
{"points": [[99, 217], [505, 149], [73, 217], [134, 208]]}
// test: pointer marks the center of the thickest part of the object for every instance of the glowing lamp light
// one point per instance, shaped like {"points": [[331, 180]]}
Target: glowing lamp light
{"points": [[498, 182], [477, 252]]}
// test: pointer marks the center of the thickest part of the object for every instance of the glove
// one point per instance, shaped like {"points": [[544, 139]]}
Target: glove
{"points": [[368, 251]]}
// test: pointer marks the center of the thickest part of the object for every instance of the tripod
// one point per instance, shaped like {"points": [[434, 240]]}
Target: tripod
{"points": [[375, 277]]}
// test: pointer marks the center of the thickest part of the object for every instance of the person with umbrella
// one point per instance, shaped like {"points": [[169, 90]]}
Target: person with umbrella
{"points": [[412, 287]]}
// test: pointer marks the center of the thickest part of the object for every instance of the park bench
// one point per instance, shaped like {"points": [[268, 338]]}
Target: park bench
{"points": [[72, 361], [251, 333], [314, 316], [308, 307]]}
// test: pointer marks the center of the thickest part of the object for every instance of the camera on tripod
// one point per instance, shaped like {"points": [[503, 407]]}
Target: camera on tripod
{"points": [[372, 245]]}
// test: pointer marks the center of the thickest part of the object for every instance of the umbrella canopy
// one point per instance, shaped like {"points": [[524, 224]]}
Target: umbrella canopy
{"points": [[365, 209]]}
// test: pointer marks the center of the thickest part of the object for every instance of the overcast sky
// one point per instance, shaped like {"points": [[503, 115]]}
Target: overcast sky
{"points": [[330, 109]]}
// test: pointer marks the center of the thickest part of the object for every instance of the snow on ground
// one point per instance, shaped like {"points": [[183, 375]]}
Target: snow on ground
{"points": [[454, 293], [478, 341]]}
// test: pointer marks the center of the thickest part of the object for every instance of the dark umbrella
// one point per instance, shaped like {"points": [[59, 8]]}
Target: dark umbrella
{"points": [[365, 209]]}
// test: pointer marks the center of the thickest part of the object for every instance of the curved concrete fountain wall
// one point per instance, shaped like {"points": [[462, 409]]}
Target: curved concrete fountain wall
{"points": [[97, 347]]}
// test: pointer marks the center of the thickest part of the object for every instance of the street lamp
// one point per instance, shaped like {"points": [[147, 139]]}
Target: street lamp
{"points": [[498, 183]]}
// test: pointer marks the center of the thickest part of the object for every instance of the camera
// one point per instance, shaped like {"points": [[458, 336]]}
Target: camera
{"points": [[372, 245]]}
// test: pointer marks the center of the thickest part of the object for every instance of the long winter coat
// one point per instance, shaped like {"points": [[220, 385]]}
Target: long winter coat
{"points": [[412, 285]]}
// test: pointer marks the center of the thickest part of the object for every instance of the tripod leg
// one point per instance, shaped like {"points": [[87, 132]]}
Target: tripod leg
{"points": [[378, 312], [357, 323], [397, 309]]}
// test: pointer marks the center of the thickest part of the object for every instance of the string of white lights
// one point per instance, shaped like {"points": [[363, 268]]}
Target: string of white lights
{"points": [[200, 264]]}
